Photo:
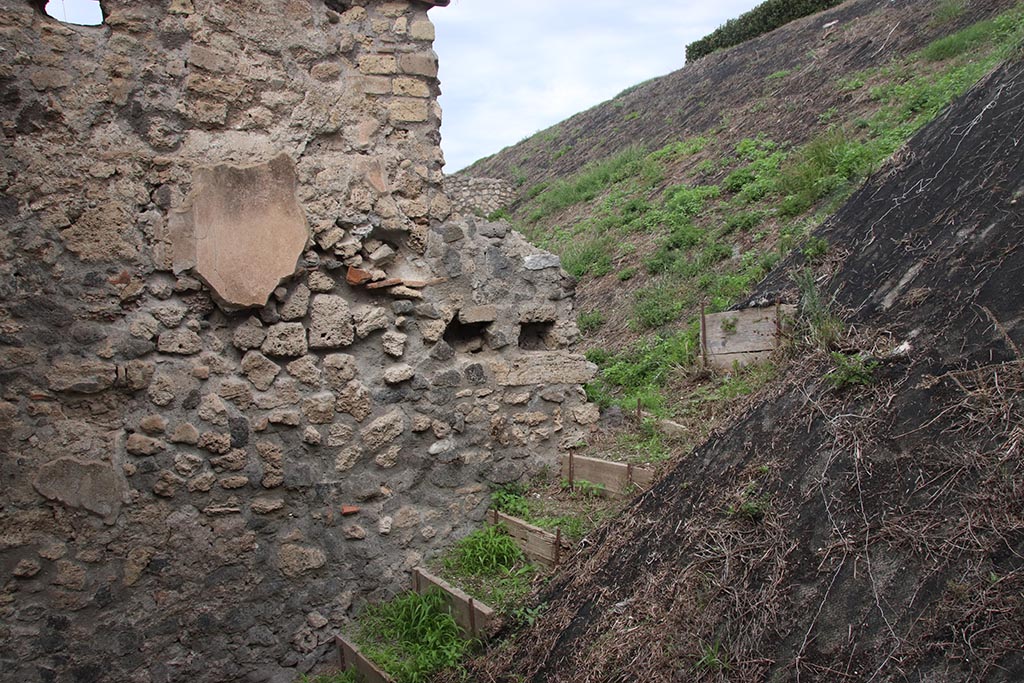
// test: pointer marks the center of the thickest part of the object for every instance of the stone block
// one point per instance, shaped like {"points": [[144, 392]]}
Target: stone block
{"points": [[419, 63], [544, 368], [421, 30], [369, 319], [378, 64], [285, 339], [260, 370], [88, 484], [405, 86], [183, 342], [383, 430], [408, 110], [479, 314], [542, 261], [330, 322], [296, 305], [396, 374], [80, 375]]}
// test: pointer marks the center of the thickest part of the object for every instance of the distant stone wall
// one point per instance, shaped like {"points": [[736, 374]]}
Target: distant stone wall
{"points": [[252, 369], [478, 196]]}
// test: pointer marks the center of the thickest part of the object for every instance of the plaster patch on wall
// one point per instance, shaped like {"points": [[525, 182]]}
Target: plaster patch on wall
{"points": [[241, 230]]}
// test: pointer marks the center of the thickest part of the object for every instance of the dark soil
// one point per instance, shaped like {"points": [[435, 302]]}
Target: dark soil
{"points": [[863, 533]]}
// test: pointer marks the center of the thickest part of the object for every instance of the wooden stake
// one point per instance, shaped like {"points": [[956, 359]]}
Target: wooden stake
{"points": [[778, 323], [572, 473], [416, 579], [629, 474], [558, 544], [472, 618], [703, 337]]}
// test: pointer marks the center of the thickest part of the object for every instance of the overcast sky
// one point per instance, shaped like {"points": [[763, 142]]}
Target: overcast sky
{"points": [[510, 69]]}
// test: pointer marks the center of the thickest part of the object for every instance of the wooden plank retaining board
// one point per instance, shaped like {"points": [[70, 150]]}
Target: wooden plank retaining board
{"points": [[542, 547], [352, 658], [744, 336], [472, 616], [617, 478]]}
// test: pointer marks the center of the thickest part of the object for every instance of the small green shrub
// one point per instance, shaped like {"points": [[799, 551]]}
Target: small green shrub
{"points": [[851, 370], [590, 321], [582, 488], [500, 214], [627, 273], [778, 75], [584, 256], [735, 181], [680, 149], [948, 11], [591, 181], [511, 500], [683, 200], [821, 167], [411, 636], [765, 17], [713, 657], [744, 221], [814, 248], [486, 551], [657, 305], [823, 327], [960, 42]]}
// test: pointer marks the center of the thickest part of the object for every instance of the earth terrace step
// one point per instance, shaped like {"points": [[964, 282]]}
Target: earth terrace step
{"points": [[617, 479], [472, 616], [540, 546]]}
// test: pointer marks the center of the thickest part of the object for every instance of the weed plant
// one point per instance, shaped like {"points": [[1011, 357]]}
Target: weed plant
{"points": [[412, 636], [822, 327], [511, 500], [851, 370], [489, 565], [338, 677]]}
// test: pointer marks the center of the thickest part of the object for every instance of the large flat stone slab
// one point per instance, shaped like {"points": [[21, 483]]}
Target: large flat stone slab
{"points": [[242, 230]]}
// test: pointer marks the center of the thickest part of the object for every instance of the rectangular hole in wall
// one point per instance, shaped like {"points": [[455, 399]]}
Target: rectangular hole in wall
{"points": [[466, 337], [536, 336]]}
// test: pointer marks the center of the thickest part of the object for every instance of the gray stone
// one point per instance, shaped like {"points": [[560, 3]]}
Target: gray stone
{"points": [[542, 261], [370, 319], [285, 339], [260, 370], [398, 373], [181, 341], [88, 484], [296, 305], [354, 399], [249, 335], [383, 430], [339, 370], [330, 322], [319, 408], [394, 343], [139, 444], [294, 560], [81, 376], [305, 370], [498, 229]]}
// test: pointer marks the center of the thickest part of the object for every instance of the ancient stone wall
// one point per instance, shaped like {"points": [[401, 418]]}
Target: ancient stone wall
{"points": [[478, 196], [251, 369]]}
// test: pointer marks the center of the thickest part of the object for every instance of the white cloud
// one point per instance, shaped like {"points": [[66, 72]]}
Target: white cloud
{"points": [[511, 69]]}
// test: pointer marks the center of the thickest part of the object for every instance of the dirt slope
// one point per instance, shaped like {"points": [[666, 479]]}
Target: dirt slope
{"points": [[844, 533]]}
